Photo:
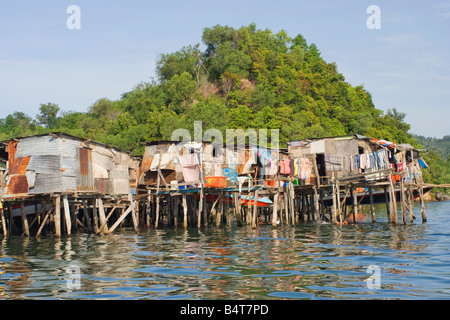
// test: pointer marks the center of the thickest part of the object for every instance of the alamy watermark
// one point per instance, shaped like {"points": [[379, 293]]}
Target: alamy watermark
{"points": [[73, 277], [374, 281], [374, 20], [73, 22]]}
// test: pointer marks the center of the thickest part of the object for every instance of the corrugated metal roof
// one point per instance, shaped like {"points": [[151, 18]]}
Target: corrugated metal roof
{"points": [[36, 146], [45, 164]]}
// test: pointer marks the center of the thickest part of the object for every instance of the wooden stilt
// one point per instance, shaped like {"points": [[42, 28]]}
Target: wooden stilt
{"points": [[334, 208], [317, 205], [291, 202], [275, 210], [148, 208], [403, 199], [388, 203], [410, 205], [372, 207], [200, 209], [394, 202], [185, 211], [220, 215], [5, 229], [95, 215], [422, 205], [355, 205], [104, 224], [23, 215], [286, 205], [43, 223], [86, 216], [67, 215], [255, 213], [102, 216], [157, 202], [57, 216], [338, 202], [122, 217], [134, 217]]}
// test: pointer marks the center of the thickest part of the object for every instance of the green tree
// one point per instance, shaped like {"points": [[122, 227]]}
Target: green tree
{"points": [[48, 115]]}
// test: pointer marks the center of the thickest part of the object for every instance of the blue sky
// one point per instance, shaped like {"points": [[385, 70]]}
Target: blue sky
{"points": [[404, 65]]}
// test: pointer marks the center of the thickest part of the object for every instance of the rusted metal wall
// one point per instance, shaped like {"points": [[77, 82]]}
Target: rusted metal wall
{"points": [[51, 164]]}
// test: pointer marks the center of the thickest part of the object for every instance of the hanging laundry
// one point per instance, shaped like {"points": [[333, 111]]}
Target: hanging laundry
{"points": [[305, 169], [191, 170]]}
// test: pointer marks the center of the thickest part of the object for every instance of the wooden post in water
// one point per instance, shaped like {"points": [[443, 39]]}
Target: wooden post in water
{"points": [[67, 214], [134, 208], [58, 216], [148, 208], [102, 216], [334, 208], [122, 217], [403, 196], [410, 205], [372, 207], [86, 215], [255, 210], [338, 203], [185, 212], [292, 199], [200, 209], [5, 230], [275, 210], [43, 223], [355, 205], [95, 215], [317, 206], [157, 202], [422, 205], [24, 219], [394, 201], [388, 203]]}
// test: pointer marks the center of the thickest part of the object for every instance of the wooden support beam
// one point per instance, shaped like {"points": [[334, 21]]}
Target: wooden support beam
{"points": [[23, 215], [403, 199], [372, 207], [86, 215], [317, 205], [38, 215], [388, 203], [94, 215], [338, 202], [275, 210], [67, 215], [185, 211], [422, 205], [100, 230], [121, 218], [355, 205], [394, 201], [101, 214], [57, 216], [334, 207], [157, 204], [291, 202], [5, 229], [43, 223], [255, 207], [134, 217]]}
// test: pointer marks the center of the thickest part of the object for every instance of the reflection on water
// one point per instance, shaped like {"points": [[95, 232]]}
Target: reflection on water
{"points": [[310, 261]]}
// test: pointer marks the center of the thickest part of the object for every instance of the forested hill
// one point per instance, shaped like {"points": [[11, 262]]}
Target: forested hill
{"points": [[244, 78], [442, 146]]}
